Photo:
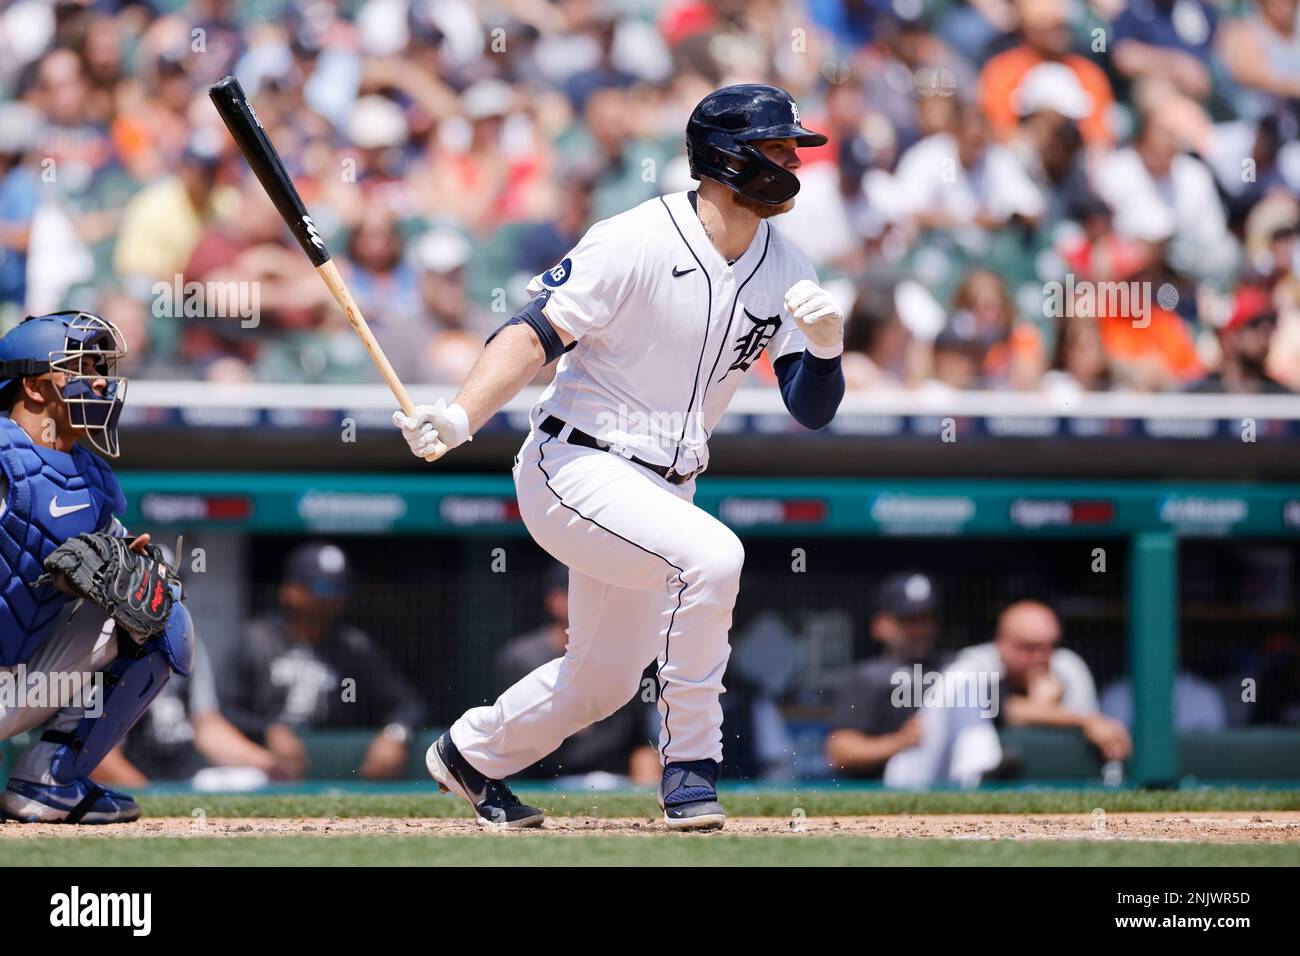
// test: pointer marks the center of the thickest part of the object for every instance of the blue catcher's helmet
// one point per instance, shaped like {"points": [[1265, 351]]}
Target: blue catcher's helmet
{"points": [[727, 121], [85, 348]]}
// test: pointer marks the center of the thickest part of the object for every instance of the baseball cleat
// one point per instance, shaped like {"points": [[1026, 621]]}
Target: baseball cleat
{"points": [[82, 801], [689, 796], [493, 803]]}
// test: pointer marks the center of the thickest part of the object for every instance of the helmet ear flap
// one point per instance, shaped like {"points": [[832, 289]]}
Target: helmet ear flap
{"points": [[756, 177]]}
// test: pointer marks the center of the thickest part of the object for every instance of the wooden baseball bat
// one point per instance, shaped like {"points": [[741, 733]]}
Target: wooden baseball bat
{"points": [[246, 129]]}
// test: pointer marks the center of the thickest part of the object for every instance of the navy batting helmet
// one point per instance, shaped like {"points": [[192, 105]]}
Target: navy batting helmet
{"points": [[85, 348], [722, 128]]}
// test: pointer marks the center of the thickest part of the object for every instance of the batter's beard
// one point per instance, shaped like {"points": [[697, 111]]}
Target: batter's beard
{"points": [[761, 209]]}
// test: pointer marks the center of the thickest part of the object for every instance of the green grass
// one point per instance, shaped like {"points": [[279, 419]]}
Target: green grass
{"points": [[582, 850], [662, 849], [770, 803]]}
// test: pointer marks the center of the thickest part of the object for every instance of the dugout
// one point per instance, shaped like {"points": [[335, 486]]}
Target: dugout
{"points": [[1143, 575]]}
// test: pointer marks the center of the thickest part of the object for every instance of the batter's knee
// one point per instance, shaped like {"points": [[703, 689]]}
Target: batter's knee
{"points": [[718, 563], [612, 695]]}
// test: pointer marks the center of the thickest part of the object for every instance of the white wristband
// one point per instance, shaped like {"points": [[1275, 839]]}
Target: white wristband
{"points": [[459, 420], [824, 351]]}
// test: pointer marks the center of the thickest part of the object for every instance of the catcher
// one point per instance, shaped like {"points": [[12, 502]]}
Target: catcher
{"points": [[79, 603]]}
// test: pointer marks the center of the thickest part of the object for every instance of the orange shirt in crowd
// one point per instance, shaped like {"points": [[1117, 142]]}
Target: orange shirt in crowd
{"points": [[1002, 75], [1166, 339], [1019, 359]]}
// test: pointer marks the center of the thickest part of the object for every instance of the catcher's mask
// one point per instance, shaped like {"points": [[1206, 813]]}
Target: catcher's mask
{"points": [[721, 132], [83, 347]]}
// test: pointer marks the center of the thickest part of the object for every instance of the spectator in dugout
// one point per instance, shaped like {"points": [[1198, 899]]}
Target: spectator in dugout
{"points": [[1022, 678], [184, 736], [870, 725], [286, 674], [1041, 683], [619, 744]]}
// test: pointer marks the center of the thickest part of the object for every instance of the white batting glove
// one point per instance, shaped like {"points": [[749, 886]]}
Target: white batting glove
{"points": [[431, 424], [816, 313]]}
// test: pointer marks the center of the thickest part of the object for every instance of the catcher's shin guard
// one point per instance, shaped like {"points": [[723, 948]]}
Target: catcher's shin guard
{"points": [[131, 682]]}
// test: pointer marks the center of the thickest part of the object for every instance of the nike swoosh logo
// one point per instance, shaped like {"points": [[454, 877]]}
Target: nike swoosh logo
{"points": [[58, 511], [678, 274]]}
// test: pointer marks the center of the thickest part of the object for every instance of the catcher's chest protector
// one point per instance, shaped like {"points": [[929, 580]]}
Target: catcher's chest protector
{"points": [[52, 496]]}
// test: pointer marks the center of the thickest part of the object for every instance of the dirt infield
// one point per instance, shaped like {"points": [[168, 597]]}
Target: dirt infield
{"points": [[1193, 827]]}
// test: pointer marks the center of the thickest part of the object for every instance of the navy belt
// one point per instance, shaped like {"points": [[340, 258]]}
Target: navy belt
{"points": [[554, 426]]}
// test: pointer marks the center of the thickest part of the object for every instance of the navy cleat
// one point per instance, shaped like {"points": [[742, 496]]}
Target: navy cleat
{"points": [[689, 796], [493, 803], [82, 801]]}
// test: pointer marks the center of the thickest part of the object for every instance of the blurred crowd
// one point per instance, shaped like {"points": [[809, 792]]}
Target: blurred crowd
{"points": [[1059, 195]]}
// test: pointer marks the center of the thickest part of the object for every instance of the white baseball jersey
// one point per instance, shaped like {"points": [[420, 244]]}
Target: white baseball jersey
{"points": [[666, 329]]}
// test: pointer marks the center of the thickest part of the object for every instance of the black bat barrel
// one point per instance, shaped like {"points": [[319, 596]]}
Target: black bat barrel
{"points": [[231, 102]]}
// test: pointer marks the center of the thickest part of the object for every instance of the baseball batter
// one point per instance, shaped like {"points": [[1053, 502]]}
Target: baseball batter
{"points": [[656, 316]]}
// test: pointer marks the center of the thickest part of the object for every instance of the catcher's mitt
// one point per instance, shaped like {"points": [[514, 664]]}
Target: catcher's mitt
{"points": [[133, 588]]}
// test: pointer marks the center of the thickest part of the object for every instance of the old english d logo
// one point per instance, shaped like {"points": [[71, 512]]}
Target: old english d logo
{"points": [[752, 341]]}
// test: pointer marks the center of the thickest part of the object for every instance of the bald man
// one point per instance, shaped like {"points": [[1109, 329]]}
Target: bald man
{"points": [[1035, 683], [1042, 683]]}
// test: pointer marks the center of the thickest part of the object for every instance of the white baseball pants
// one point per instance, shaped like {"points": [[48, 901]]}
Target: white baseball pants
{"points": [[651, 577]]}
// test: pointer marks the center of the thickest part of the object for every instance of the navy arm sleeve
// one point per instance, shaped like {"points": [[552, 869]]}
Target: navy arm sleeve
{"points": [[811, 387]]}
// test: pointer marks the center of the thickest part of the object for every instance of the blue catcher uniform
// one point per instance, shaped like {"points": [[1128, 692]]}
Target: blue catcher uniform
{"points": [[47, 497], [52, 496]]}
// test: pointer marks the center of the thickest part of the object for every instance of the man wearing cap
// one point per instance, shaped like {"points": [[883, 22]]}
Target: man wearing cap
{"points": [[1051, 104], [440, 257], [1044, 29], [1021, 678], [459, 325], [870, 725], [478, 180], [1245, 341], [302, 667]]}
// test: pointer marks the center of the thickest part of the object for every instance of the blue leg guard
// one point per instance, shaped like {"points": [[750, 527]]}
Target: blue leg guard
{"points": [[131, 683]]}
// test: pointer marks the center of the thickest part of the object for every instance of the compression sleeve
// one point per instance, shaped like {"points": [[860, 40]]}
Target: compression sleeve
{"points": [[811, 387]]}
